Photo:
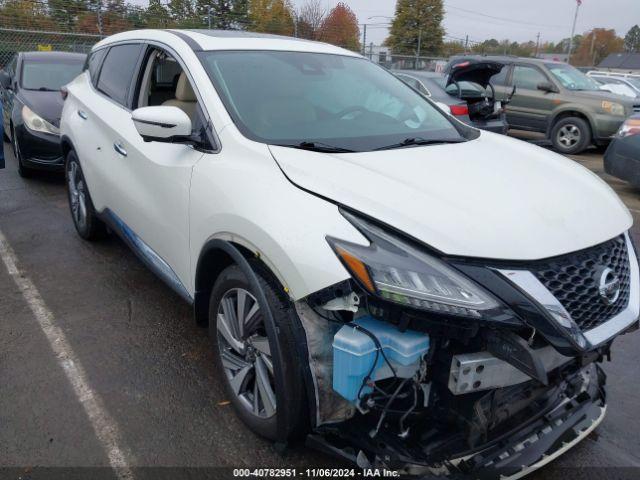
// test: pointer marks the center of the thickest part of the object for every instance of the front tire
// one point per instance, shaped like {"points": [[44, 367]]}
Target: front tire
{"points": [[571, 135], [243, 353], [84, 216], [24, 172]]}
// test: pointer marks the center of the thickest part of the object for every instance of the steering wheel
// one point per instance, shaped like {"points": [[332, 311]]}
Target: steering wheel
{"points": [[346, 111]]}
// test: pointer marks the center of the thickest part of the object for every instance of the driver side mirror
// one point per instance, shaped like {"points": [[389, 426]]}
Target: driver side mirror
{"points": [[162, 124], [547, 87], [5, 80]]}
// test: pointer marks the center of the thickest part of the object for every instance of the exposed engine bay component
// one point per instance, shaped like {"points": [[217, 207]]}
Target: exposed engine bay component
{"points": [[515, 350], [473, 372], [330, 407], [368, 350], [349, 302]]}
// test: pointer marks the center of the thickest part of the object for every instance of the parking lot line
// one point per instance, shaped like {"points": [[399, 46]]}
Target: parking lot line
{"points": [[105, 427]]}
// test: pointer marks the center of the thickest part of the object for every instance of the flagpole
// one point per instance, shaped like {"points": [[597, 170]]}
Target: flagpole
{"points": [[573, 30]]}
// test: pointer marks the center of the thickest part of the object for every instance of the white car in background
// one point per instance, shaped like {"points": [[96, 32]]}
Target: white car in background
{"points": [[397, 287], [620, 83]]}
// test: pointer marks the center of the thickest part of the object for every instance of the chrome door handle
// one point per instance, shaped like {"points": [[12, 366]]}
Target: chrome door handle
{"points": [[120, 149], [82, 114]]}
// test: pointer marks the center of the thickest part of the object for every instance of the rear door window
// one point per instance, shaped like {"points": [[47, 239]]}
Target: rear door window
{"points": [[528, 77], [501, 77], [93, 64], [117, 72]]}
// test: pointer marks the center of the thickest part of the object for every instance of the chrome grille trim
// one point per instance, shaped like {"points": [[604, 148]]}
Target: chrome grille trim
{"points": [[530, 284]]}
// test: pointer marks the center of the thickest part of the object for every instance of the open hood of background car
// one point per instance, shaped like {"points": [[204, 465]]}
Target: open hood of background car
{"points": [[493, 197], [476, 71]]}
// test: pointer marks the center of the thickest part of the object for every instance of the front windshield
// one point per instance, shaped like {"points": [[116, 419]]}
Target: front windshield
{"points": [[572, 78], [634, 81], [49, 75], [293, 98]]}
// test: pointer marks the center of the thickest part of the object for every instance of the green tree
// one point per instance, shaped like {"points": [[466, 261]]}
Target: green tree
{"points": [[417, 27], [183, 13], [66, 12], [632, 40], [271, 16], [24, 14], [157, 15], [218, 10]]}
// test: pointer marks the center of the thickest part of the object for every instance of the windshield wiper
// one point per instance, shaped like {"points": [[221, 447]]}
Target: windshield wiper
{"points": [[317, 147], [413, 141], [41, 89]]}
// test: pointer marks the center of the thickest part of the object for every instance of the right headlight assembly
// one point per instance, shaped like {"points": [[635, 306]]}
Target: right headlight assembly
{"points": [[397, 271]]}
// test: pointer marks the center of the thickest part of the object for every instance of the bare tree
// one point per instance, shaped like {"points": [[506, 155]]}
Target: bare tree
{"points": [[310, 19]]}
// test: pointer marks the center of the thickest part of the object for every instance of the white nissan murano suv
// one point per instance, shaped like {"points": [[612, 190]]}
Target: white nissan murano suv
{"points": [[378, 279]]}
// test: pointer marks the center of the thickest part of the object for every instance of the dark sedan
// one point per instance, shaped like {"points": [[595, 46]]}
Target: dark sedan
{"points": [[467, 100], [31, 106], [622, 158]]}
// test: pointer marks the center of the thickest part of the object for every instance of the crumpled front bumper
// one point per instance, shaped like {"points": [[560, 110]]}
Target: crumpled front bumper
{"points": [[543, 440]]}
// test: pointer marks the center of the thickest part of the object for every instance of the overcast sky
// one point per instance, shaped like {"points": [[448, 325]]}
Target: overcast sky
{"points": [[519, 20]]}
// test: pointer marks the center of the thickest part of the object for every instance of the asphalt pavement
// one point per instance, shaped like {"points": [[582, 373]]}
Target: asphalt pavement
{"points": [[148, 368]]}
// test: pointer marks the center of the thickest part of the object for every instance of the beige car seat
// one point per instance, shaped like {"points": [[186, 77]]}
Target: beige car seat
{"points": [[185, 98]]}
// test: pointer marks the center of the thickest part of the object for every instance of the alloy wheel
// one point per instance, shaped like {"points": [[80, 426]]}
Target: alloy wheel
{"points": [[569, 135], [245, 353], [77, 195]]}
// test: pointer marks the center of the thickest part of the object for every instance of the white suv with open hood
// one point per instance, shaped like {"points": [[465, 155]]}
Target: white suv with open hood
{"points": [[398, 287]]}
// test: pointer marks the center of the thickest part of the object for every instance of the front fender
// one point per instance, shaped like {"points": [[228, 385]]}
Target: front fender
{"points": [[242, 196], [570, 109]]}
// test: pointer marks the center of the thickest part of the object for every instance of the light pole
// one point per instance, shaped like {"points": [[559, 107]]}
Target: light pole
{"points": [[573, 29], [364, 37]]}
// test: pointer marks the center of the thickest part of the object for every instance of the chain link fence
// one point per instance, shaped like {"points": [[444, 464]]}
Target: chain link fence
{"points": [[76, 25], [16, 40]]}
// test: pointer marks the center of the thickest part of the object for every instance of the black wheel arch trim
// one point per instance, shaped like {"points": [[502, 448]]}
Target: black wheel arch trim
{"points": [[66, 145], [567, 113], [201, 305]]}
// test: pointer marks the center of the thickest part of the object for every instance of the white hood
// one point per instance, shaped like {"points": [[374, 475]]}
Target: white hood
{"points": [[494, 197]]}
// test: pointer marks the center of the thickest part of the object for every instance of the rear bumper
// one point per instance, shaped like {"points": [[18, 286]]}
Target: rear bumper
{"points": [[495, 126], [620, 166]]}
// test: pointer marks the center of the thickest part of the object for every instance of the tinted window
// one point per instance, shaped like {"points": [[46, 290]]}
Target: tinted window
{"points": [[528, 77], [117, 71], [93, 63], [500, 78], [289, 98], [49, 75]]}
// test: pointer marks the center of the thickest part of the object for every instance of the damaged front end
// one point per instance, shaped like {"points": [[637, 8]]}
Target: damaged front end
{"points": [[449, 367]]}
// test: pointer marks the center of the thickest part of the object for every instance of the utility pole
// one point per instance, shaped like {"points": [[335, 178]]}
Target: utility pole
{"points": [[364, 40], [466, 44], [419, 47], [538, 44], [99, 13], [593, 44], [573, 29], [209, 16]]}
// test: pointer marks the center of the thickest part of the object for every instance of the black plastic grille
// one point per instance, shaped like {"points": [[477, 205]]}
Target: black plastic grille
{"points": [[573, 280]]}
